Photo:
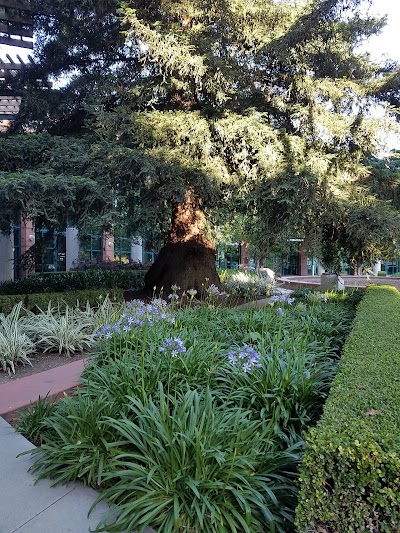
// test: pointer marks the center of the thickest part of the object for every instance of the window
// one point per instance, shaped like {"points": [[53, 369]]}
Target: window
{"points": [[122, 250], [91, 248], [50, 256]]}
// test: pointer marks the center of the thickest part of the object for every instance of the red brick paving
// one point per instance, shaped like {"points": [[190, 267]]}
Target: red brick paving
{"points": [[22, 392]]}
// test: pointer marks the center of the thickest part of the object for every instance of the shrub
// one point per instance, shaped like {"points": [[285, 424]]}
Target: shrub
{"points": [[246, 284], [34, 302], [382, 273], [8, 302], [350, 475], [77, 280], [111, 265]]}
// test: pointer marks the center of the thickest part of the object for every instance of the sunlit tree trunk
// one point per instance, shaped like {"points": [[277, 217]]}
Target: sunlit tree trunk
{"points": [[187, 258]]}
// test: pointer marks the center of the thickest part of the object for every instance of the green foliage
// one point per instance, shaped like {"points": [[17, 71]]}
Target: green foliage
{"points": [[193, 466], [350, 473], [260, 108], [382, 273], [75, 281], [67, 331], [246, 284], [187, 438], [35, 168], [35, 301], [30, 420], [15, 344]]}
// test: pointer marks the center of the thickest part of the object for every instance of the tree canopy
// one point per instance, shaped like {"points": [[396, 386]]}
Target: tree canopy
{"points": [[258, 107]]}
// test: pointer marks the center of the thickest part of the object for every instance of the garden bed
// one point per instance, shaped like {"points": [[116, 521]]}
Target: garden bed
{"points": [[193, 419]]}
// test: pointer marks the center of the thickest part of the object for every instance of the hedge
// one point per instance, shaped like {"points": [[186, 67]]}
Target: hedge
{"points": [[350, 477], [75, 280], [71, 298]]}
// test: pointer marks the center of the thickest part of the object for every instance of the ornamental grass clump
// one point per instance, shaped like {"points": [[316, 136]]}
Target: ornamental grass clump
{"points": [[192, 419], [67, 331], [247, 284], [190, 465], [15, 344]]}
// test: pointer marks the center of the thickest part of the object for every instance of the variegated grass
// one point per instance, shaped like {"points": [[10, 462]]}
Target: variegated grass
{"points": [[15, 344]]}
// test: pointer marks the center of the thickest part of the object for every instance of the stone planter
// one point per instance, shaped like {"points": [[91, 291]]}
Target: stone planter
{"points": [[329, 282]]}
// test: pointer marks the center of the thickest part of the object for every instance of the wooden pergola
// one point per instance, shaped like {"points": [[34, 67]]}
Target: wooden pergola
{"points": [[16, 23], [16, 29]]}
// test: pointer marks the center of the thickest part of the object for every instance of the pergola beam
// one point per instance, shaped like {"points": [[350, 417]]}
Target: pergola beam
{"points": [[24, 6], [12, 41]]}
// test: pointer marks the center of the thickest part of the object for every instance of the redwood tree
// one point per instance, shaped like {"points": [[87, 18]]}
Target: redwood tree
{"points": [[213, 107]]}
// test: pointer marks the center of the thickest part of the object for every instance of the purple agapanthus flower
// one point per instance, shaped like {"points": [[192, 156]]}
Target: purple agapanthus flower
{"points": [[137, 314], [172, 346], [282, 298], [213, 291], [173, 296], [245, 356]]}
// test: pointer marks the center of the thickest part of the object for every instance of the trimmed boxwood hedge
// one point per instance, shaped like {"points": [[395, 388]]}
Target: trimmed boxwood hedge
{"points": [[75, 281], [61, 299], [350, 477]]}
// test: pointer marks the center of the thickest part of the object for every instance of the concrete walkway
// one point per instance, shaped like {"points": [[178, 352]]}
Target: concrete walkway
{"points": [[355, 282], [27, 507]]}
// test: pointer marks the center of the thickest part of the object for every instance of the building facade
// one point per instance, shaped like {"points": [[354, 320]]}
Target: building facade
{"points": [[65, 250]]}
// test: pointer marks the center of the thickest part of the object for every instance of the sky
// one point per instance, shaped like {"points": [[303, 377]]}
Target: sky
{"points": [[387, 44]]}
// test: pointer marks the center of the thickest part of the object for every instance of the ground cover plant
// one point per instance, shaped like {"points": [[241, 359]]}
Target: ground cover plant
{"points": [[350, 474], [191, 419]]}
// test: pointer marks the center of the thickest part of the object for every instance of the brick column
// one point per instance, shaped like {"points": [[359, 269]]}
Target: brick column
{"points": [[244, 255], [27, 241], [303, 261], [108, 247]]}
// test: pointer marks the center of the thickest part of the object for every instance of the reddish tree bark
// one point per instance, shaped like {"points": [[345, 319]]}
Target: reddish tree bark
{"points": [[187, 258]]}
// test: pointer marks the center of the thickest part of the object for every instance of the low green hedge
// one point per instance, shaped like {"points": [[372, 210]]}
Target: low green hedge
{"points": [[74, 281], [71, 298], [350, 478]]}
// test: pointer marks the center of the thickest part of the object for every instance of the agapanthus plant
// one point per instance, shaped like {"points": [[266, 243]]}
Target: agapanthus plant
{"points": [[245, 357], [172, 346], [138, 314]]}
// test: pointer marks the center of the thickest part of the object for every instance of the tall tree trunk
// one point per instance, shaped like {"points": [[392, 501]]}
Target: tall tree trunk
{"points": [[187, 258]]}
